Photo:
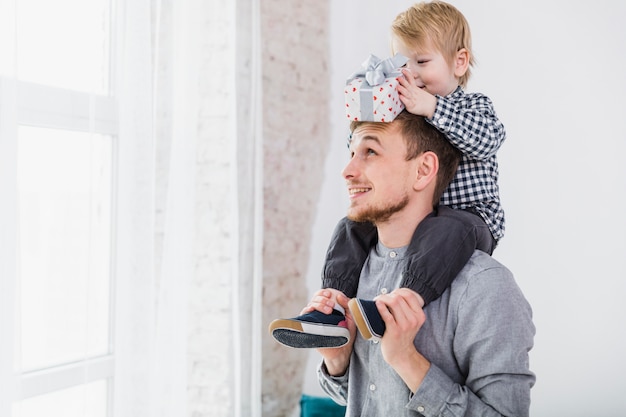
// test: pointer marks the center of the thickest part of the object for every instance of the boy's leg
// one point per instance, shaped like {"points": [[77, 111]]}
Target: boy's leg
{"points": [[345, 257], [346, 254], [484, 239], [312, 330], [440, 248]]}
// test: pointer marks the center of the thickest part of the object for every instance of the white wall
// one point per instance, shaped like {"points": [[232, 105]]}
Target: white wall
{"points": [[556, 72]]}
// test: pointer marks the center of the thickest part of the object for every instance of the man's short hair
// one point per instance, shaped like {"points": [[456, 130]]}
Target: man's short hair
{"points": [[420, 136]]}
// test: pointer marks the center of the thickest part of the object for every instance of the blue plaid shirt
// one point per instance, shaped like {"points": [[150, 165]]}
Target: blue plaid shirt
{"points": [[470, 123]]}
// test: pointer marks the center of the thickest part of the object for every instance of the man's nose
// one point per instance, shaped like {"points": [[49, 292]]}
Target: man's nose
{"points": [[349, 171]]}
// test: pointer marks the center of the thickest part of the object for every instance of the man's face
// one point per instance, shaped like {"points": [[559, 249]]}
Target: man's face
{"points": [[378, 176]]}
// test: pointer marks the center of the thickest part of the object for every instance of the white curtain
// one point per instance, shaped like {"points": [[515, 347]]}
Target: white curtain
{"points": [[160, 49], [163, 93], [158, 94], [135, 289], [8, 209], [248, 159]]}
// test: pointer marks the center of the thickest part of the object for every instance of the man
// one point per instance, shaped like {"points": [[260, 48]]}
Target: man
{"points": [[466, 353]]}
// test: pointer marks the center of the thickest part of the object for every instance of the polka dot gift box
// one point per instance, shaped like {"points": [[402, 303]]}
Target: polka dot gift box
{"points": [[371, 93]]}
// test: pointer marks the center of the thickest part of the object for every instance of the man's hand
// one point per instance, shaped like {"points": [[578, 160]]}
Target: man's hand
{"points": [[336, 359], [403, 316]]}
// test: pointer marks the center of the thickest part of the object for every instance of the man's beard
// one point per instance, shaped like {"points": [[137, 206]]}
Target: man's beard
{"points": [[379, 214]]}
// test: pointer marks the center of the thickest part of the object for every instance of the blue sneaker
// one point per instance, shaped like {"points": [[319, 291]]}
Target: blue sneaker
{"points": [[367, 318], [312, 330]]}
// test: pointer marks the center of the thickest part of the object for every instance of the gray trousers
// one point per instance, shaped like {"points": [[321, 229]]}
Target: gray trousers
{"points": [[441, 246]]}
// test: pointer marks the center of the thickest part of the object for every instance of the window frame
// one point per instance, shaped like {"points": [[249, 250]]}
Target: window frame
{"points": [[52, 107], [43, 106]]}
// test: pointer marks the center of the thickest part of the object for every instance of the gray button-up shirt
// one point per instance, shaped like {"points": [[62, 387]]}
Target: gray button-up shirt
{"points": [[477, 336]]}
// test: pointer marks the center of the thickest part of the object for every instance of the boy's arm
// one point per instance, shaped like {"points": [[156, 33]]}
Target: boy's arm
{"points": [[470, 123]]}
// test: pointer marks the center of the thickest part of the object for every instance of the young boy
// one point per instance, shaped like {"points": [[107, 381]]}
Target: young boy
{"points": [[436, 39]]}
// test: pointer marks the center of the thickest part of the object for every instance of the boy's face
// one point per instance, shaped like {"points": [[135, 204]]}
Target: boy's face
{"points": [[429, 67]]}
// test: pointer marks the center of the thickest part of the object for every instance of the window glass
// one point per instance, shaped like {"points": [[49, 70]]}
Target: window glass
{"points": [[89, 400], [64, 235], [64, 43]]}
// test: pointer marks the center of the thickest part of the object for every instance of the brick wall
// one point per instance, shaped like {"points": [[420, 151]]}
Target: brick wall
{"points": [[296, 138]]}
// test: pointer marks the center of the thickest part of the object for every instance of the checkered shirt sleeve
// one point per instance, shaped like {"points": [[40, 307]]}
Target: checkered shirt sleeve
{"points": [[470, 123]]}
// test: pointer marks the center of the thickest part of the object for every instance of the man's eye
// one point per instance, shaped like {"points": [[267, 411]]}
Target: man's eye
{"points": [[371, 152]]}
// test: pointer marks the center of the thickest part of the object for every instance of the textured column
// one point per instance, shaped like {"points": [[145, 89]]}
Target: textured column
{"points": [[296, 138]]}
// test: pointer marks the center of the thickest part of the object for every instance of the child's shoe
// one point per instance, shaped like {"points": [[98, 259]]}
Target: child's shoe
{"points": [[367, 318], [312, 330]]}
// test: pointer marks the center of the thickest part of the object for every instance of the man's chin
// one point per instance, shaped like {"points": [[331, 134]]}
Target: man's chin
{"points": [[359, 216], [370, 216], [376, 214], [356, 218]]}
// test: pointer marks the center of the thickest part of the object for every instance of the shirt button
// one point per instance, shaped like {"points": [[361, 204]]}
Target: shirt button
{"points": [[372, 387], [392, 254], [421, 409], [383, 291], [375, 341]]}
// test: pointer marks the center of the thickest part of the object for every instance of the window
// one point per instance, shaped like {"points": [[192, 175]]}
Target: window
{"points": [[65, 147], [64, 190]]}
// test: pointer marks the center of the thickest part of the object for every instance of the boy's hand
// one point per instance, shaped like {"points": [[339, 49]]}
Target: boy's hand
{"points": [[416, 100], [324, 300]]}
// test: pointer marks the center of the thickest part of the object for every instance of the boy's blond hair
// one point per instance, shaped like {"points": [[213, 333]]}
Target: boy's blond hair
{"points": [[439, 24]]}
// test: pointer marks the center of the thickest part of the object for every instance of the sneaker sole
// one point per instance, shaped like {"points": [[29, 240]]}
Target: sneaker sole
{"points": [[299, 334], [361, 320]]}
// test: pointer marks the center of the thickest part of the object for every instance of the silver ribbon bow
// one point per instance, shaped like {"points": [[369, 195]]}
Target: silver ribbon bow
{"points": [[376, 70]]}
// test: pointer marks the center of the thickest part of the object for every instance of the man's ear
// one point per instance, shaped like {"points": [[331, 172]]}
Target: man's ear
{"points": [[461, 62], [427, 168]]}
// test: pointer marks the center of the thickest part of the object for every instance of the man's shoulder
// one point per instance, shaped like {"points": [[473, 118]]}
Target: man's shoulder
{"points": [[484, 278], [481, 260], [482, 269]]}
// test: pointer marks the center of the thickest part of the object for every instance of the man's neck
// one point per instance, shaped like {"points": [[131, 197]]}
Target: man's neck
{"points": [[399, 229]]}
